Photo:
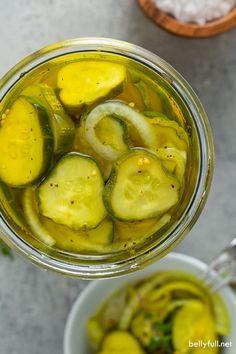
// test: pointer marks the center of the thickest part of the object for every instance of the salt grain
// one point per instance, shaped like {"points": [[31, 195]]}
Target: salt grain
{"points": [[197, 11]]}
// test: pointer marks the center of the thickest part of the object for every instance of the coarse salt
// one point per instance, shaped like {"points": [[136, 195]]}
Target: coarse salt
{"points": [[197, 11]]}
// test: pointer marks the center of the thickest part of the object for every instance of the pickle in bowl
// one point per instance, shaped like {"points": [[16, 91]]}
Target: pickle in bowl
{"points": [[168, 312], [100, 161]]}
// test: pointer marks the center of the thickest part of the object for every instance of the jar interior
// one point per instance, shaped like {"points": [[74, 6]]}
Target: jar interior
{"points": [[46, 72]]}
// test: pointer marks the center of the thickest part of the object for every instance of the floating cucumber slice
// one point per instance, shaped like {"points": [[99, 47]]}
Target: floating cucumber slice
{"points": [[94, 240], [72, 194], [125, 113], [174, 161], [131, 234], [154, 98], [62, 125], [26, 143], [9, 205], [83, 83], [140, 229], [32, 217], [62, 236], [118, 342], [139, 187], [143, 92], [194, 323], [169, 134]]}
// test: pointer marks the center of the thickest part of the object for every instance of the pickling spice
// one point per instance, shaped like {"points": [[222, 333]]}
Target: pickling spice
{"points": [[196, 11]]}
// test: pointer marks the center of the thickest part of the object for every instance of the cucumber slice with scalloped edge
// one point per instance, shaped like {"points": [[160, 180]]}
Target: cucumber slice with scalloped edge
{"points": [[174, 161], [154, 97], [169, 134], [84, 83], [151, 100], [139, 187], [130, 234], [194, 323], [62, 237], [72, 194], [118, 341], [94, 240], [62, 125], [26, 143]]}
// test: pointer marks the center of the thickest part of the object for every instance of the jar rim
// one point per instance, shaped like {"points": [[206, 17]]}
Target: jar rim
{"points": [[198, 199]]}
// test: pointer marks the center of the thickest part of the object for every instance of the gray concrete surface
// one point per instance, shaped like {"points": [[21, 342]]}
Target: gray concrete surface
{"points": [[34, 304]]}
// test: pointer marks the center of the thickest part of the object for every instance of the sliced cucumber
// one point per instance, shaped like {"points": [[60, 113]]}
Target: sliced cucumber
{"points": [[117, 342], [26, 143], [143, 92], [169, 134], [140, 229], [154, 97], [32, 217], [72, 194], [62, 125], [94, 240], [139, 187], [84, 83], [62, 236], [130, 234], [193, 323], [174, 161], [164, 97], [9, 205], [124, 113]]}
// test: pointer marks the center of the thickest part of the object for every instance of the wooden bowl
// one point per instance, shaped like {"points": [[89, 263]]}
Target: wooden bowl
{"points": [[170, 24]]}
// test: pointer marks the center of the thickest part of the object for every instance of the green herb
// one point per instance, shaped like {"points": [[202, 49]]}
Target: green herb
{"points": [[162, 327], [5, 250], [160, 343]]}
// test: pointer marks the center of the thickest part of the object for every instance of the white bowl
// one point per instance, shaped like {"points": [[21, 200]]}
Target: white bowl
{"points": [[75, 338]]}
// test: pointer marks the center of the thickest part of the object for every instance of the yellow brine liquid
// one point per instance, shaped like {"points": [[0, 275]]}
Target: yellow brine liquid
{"points": [[163, 313], [95, 155]]}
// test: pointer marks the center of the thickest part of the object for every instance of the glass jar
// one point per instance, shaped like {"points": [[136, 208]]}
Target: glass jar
{"points": [[202, 163]]}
